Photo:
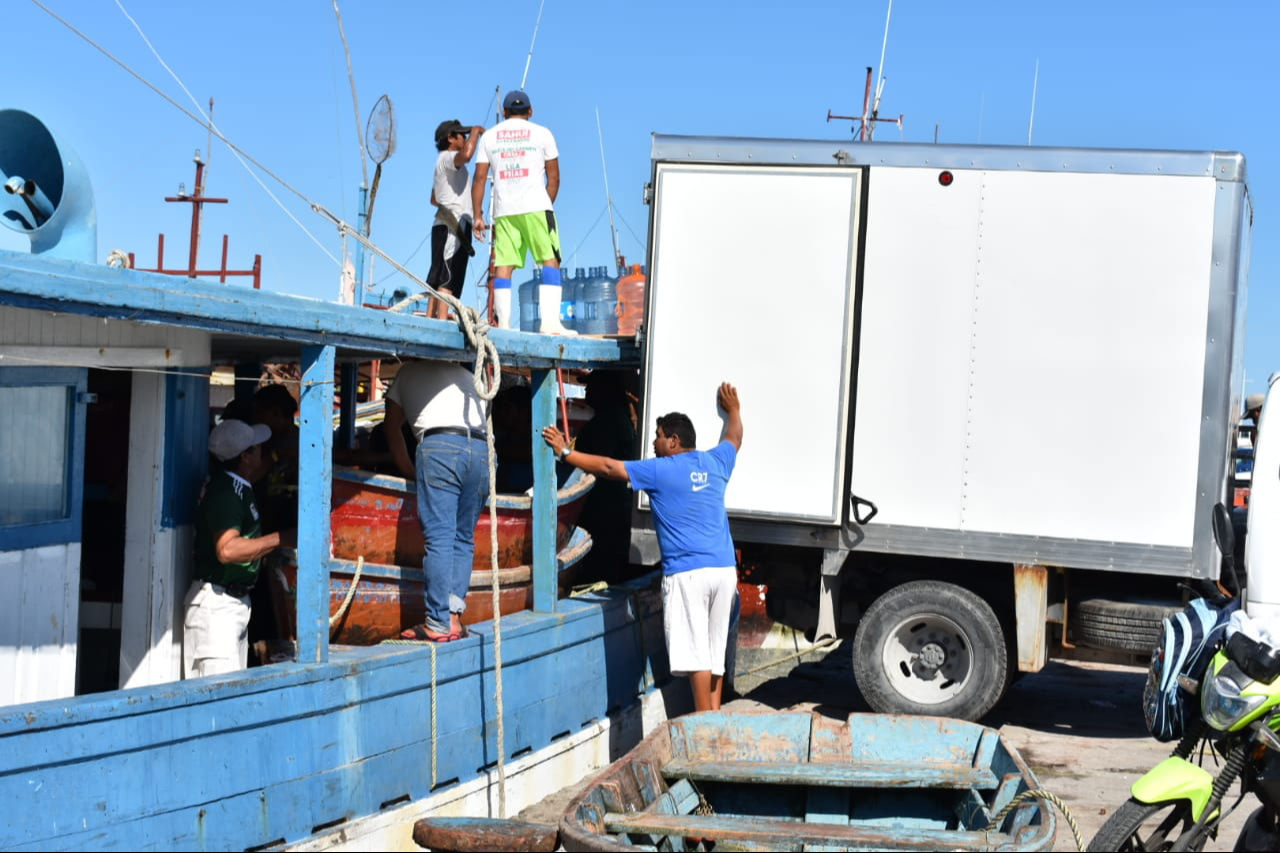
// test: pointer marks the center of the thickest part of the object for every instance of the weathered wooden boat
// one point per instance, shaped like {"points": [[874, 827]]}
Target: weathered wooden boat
{"points": [[375, 516], [800, 781], [388, 599], [335, 747]]}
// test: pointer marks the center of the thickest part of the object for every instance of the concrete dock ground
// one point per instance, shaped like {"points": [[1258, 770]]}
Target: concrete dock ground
{"points": [[1078, 725]]}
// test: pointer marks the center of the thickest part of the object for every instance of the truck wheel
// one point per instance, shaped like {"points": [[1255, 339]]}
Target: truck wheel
{"points": [[1126, 625], [930, 648]]}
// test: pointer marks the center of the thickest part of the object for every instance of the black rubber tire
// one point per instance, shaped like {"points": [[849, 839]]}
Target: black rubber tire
{"points": [[1123, 830], [1126, 625], [978, 636]]}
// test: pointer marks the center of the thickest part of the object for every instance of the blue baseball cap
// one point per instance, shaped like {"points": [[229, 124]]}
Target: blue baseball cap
{"points": [[516, 100]]}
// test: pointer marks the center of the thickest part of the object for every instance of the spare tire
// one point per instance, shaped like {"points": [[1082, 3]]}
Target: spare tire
{"points": [[1132, 626]]}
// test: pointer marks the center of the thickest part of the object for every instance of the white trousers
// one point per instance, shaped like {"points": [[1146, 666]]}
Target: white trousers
{"points": [[696, 606], [215, 635]]}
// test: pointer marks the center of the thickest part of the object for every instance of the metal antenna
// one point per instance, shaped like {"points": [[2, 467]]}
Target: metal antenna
{"points": [[532, 42], [608, 199], [884, 45], [1035, 83]]}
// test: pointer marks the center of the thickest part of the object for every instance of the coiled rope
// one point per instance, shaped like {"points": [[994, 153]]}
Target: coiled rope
{"points": [[486, 376], [1046, 796]]}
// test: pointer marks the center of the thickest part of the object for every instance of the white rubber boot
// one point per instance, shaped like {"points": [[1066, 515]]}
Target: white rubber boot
{"points": [[549, 308], [502, 306]]}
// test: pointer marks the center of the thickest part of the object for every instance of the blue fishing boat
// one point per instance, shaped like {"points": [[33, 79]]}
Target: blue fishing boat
{"points": [[104, 419], [749, 780]]}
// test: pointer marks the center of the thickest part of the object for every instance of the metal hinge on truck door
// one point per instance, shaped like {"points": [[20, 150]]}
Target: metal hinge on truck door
{"points": [[855, 502]]}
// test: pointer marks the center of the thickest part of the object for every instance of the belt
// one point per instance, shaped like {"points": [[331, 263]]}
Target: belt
{"points": [[239, 590], [478, 435]]}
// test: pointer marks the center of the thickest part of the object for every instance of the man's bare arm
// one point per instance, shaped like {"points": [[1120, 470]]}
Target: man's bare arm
{"points": [[553, 179], [603, 466], [727, 397], [477, 200], [392, 421]]}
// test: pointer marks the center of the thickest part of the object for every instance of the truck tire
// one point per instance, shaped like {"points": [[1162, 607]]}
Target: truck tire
{"points": [[1126, 625], [927, 647]]}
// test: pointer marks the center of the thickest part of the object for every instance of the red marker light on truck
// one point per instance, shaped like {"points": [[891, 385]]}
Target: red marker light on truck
{"points": [[945, 178]]}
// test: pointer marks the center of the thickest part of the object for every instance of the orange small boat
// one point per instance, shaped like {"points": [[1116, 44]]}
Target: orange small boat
{"points": [[375, 516], [387, 599]]}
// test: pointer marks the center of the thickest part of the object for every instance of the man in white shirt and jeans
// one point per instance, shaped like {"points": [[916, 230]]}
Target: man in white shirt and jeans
{"points": [[451, 230], [526, 180], [440, 402]]}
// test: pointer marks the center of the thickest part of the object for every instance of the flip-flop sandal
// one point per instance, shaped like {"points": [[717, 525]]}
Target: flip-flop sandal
{"points": [[423, 634]]}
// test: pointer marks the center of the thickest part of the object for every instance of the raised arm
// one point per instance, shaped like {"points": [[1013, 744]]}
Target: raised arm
{"points": [[603, 466], [392, 421], [468, 150], [727, 397]]}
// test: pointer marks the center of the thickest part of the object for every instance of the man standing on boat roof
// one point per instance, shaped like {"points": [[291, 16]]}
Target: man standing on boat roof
{"points": [[451, 194], [440, 402], [526, 180], [686, 489], [229, 548]]}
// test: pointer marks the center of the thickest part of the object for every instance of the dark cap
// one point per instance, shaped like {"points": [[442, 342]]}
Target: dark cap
{"points": [[516, 101], [446, 128]]}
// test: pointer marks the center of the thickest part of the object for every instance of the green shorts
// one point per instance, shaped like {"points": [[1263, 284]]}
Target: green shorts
{"points": [[525, 232]]}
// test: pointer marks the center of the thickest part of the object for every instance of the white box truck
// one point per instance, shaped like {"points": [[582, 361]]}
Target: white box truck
{"points": [[989, 393]]}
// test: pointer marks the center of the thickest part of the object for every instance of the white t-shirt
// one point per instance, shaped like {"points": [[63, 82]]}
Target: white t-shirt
{"points": [[517, 151], [437, 394], [452, 187]]}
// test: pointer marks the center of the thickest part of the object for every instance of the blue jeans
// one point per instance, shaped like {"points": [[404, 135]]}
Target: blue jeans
{"points": [[453, 485]]}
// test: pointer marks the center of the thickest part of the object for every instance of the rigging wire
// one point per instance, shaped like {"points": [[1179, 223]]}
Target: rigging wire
{"points": [[204, 120], [355, 100], [635, 236]]}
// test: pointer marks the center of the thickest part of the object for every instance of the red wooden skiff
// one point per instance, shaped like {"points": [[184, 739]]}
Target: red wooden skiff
{"points": [[376, 517]]}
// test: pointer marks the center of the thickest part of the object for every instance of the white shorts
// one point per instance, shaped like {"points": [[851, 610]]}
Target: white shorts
{"points": [[696, 606], [215, 636]]}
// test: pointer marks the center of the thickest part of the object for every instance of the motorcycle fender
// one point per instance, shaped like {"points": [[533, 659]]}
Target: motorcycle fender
{"points": [[1175, 779]]}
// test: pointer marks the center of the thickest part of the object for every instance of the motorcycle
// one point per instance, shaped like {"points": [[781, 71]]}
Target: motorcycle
{"points": [[1178, 804]]}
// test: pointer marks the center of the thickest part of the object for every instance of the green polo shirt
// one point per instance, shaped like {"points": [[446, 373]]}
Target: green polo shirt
{"points": [[227, 504]]}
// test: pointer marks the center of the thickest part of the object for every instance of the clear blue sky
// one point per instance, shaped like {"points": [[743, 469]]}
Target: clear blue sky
{"points": [[1173, 74]]}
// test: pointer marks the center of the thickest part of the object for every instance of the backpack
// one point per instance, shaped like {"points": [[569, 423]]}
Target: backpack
{"points": [[1188, 641]]}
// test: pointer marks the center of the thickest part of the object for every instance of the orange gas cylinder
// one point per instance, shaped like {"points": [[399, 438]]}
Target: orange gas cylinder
{"points": [[631, 301]]}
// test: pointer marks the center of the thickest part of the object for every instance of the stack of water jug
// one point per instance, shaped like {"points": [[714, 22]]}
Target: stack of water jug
{"points": [[588, 302]]}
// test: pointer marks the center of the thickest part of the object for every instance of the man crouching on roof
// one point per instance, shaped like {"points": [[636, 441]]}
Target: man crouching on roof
{"points": [[229, 548], [686, 490]]}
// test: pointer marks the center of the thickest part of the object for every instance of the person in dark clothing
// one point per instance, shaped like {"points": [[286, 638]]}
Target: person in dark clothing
{"points": [[606, 513]]}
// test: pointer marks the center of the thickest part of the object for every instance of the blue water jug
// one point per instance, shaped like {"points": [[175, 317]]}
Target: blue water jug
{"points": [[601, 297], [568, 316], [579, 296], [529, 314]]}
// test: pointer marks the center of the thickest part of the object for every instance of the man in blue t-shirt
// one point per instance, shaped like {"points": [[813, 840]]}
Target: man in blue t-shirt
{"points": [[686, 490]]}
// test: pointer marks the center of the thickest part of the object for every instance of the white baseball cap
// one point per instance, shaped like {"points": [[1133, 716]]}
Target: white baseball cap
{"points": [[231, 438]]}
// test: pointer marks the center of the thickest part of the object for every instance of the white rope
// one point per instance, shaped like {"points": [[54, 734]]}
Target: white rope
{"points": [[486, 377], [118, 259], [351, 593]]}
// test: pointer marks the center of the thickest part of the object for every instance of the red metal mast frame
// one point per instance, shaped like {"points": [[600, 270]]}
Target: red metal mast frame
{"points": [[198, 200]]}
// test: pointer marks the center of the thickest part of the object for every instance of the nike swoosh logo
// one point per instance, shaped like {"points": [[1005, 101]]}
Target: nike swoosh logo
{"points": [[700, 488]]}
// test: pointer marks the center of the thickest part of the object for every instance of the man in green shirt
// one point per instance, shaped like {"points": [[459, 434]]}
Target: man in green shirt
{"points": [[229, 546]]}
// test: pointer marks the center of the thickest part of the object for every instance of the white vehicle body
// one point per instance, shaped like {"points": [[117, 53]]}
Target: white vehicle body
{"points": [[964, 338], [1262, 545]]}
